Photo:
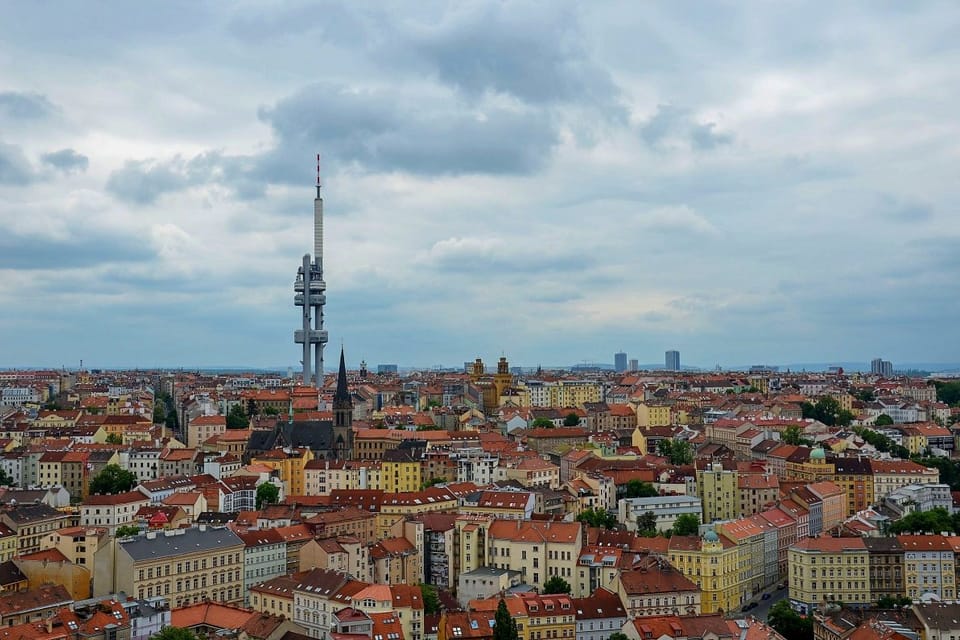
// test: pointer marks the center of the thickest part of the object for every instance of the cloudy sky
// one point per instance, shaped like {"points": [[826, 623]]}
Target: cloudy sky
{"points": [[745, 182]]}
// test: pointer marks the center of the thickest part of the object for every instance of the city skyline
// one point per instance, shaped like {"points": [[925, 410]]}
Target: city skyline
{"points": [[600, 179]]}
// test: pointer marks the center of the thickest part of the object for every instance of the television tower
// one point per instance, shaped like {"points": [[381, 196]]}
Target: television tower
{"points": [[310, 294]]}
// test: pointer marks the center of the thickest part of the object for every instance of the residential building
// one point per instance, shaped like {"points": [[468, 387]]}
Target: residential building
{"points": [[655, 588], [929, 567], [599, 615], [185, 565], [666, 509], [264, 557], [718, 489], [713, 563], [827, 569], [112, 510], [537, 549], [32, 524]]}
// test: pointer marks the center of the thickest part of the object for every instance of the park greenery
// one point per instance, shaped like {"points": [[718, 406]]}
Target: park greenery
{"points": [[113, 479], [542, 423], [125, 530]]}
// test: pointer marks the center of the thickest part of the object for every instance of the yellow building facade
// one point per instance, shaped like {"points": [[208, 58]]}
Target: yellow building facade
{"points": [[713, 563], [719, 491], [828, 570]]}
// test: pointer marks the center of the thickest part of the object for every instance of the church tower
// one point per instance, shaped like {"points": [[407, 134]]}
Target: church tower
{"points": [[342, 415]]}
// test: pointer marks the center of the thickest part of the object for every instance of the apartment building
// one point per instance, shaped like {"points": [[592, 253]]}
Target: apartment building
{"points": [[112, 510], [185, 565], [829, 570], [537, 549], [264, 557], [666, 509], [928, 567]]}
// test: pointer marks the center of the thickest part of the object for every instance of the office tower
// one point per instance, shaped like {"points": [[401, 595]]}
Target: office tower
{"points": [[620, 361], [310, 294], [634, 364], [672, 361]]}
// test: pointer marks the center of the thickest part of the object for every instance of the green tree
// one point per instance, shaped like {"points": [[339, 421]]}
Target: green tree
{"points": [[267, 493], [686, 524], [640, 489], [174, 633], [948, 392], [828, 411], [114, 438], [789, 623], [542, 423], [556, 584], [617, 635], [271, 411], [794, 435], [883, 420], [935, 520], [678, 452], [113, 479], [159, 413], [571, 420], [431, 601], [172, 422], [5, 479], [864, 395], [504, 626], [236, 418], [647, 525], [598, 518], [125, 530]]}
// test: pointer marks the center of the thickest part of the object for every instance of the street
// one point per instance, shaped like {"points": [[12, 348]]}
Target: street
{"points": [[763, 606]]}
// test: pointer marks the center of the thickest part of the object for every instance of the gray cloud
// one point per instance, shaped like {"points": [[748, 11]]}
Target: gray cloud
{"points": [[66, 160], [78, 248], [144, 181], [536, 55], [387, 131], [676, 124], [15, 169], [25, 106]]}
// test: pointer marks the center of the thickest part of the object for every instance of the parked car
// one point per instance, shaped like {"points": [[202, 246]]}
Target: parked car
{"points": [[765, 596], [782, 586]]}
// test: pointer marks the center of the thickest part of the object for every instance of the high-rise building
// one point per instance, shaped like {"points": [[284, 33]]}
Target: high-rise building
{"points": [[672, 361], [881, 367], [634, 364], [620, 361]]}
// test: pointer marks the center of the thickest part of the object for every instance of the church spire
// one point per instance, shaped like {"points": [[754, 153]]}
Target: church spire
{"points": [[342, 394]]}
